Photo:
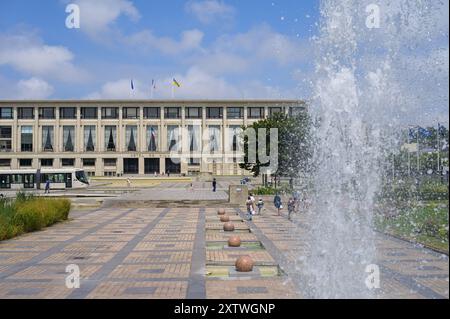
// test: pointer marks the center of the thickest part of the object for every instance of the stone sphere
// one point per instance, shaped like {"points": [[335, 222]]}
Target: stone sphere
{"points": [[234, 241], [221, 211], [244, 264], [224, 218], [228, 227]]}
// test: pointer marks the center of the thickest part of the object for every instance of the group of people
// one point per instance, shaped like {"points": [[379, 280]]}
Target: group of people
{"points": [[292, 205], [252, 205]]}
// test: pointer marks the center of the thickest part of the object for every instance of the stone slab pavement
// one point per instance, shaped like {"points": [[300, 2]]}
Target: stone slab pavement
{"points": [[160, 253]]}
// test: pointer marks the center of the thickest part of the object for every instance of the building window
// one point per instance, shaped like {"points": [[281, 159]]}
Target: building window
{"points": [[25, 162], [194, 113], [173, 137], [110, 162], [89, 138], [195, 138], [110, 138], [256, 112], [68, 138], [214, 139], [275, 110], [89, 113], [214, 112], [68, 113], [131, 138], [26, 113], [46, 162], [235, 139], [67, 162], [152, 138], [47, 113], [152, 113], [110, 113], [6, 113], [5, 139], [235, 113], [5, 146], [131, 113], [89, 162], [5, 162], [26, 139], [5, 132], [47, 138], [172, 112]]}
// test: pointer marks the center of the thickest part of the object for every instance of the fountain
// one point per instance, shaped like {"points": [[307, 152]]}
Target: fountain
{"points": [[360, 95]]}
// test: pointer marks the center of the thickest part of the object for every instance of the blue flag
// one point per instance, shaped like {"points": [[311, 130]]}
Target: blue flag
{"points": [[132, 85]]}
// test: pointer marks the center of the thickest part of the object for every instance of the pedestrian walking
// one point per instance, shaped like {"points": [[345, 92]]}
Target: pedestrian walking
{"points": [[278, 203], [47, 187], [214, 185], [291, 208], [260, 205], [250, 208]]}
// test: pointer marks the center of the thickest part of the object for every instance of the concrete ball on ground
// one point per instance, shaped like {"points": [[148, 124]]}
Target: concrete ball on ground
{"points": [[228, 227], [244, 264], [234, 241]]}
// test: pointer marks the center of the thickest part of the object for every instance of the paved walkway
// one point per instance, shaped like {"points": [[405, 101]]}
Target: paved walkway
{"points": [[165, 253]]}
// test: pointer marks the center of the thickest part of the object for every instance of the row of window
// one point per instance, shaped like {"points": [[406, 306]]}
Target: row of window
{"points": [[152, 138], [134, 112], [48, 162]]}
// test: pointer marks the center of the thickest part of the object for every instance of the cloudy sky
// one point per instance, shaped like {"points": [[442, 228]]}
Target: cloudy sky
{"points": [[214, 48]]}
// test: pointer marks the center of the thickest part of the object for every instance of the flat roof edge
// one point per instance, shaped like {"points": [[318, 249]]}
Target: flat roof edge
{"points": [[151, 101]]}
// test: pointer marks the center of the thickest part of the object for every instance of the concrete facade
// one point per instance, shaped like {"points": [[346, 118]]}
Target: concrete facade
{"points": [[35, 134]]}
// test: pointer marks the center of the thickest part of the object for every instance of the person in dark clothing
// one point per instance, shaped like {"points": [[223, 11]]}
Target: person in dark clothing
{"points": [[278, 203], [47, 187], [214, 184]]}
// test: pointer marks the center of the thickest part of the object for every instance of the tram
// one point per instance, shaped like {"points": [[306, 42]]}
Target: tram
{"points": [[27, 179]]}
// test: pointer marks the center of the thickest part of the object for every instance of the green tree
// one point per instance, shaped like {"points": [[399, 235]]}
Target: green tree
{"points": [[294, 144]]}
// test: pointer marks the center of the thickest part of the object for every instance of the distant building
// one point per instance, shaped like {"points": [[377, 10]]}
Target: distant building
{"points": [[114, 138]]}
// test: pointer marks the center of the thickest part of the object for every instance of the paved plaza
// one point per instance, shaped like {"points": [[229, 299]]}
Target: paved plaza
{"points": [[148, 251]]}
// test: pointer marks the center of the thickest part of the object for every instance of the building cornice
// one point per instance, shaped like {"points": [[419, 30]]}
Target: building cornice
{"points": [[168, 101]]}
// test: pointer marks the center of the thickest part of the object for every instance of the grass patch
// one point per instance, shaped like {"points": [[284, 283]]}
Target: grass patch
{"points": [[423, 222], [28, 213], [267, 191]]}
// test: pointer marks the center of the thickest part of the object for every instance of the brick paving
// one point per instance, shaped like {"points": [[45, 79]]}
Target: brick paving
{"points": [[161, 253]]}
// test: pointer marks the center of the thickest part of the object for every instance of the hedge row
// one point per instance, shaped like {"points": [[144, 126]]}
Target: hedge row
{"points": [[25, 215]]}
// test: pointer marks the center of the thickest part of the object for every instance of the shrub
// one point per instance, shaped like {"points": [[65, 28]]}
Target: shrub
{"points": [[284, 189], [29, 213]]}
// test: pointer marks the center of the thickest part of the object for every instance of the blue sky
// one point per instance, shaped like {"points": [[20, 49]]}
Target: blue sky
{"points": [[216, 49]]}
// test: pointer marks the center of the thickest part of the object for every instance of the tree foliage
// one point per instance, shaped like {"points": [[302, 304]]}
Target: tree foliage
{"points": [[294, 149]]}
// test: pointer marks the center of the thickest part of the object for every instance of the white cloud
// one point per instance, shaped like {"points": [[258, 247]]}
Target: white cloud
{"points": [[34, 88], [210, 10], [25, 89], [146, 40], [195, 84], [253, 50], [27, 54], [96, 17], [264, 44], [121, 89]]}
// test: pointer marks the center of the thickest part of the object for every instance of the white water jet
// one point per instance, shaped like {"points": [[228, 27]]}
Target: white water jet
{"points": [[360, 97]]}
